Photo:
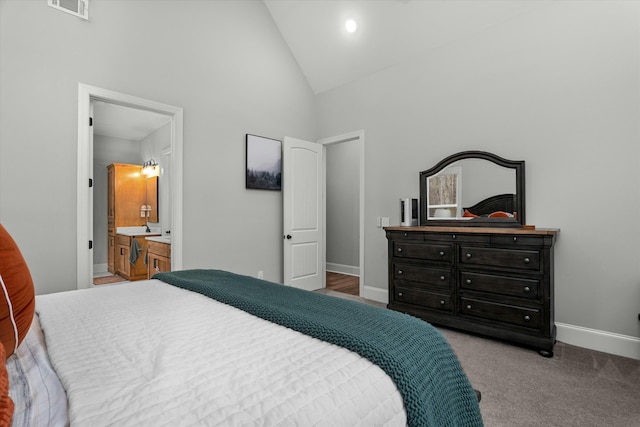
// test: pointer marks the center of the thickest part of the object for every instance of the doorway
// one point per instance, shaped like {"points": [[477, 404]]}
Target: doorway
{"points": [[304, 210], [127, 136], [87, 96], [344, 212]]}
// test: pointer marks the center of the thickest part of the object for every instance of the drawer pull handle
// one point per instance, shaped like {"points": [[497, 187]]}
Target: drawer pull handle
{"points": [[399, 294], [527, 260], [443, 278], [468, 307], [399, 249], [527, 318], [468, 281], [468, 256], [453, 237], [527, 289], [441, 253], [405, 234], [442, 302], [515, 239], [400, 272]]}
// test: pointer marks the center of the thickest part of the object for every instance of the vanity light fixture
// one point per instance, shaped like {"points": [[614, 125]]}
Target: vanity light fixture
{"points": [[150, 168]]}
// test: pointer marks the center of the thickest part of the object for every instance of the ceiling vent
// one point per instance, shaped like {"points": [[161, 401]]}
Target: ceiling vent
{"points": [[78, 8]]}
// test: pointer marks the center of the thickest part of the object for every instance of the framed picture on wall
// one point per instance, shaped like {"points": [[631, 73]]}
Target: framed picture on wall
{"points": [[264, 163]]}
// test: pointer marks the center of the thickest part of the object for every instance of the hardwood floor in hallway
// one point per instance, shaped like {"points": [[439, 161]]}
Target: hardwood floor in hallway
{"points": [[343, 283]]}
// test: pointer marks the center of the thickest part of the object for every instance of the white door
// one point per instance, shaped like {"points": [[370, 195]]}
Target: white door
{"points": [[302, 193]]}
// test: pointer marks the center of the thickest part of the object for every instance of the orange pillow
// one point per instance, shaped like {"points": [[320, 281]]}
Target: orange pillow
{"points": [[468, 214], [499, 214], [6, 404], [17, 296]]}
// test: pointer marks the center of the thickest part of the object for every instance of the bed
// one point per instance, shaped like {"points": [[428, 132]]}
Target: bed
{"points": [[209, 347], [500, 203]]}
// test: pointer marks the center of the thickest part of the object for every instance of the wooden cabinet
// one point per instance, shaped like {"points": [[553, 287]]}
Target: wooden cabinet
{"points": [[159, 258], [122, 256], [126, 194], [111, 252], [124, 267], [495, 282]]}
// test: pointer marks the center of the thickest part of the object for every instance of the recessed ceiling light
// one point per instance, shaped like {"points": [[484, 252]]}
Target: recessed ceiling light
{"points": [[351, 26]]}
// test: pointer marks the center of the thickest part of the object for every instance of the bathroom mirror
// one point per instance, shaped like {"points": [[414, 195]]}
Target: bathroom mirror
{"points": [[152, 199], [473, 188]]}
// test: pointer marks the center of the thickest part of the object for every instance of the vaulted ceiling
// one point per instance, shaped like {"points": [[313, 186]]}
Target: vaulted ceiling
{"points": [[389, 31]]}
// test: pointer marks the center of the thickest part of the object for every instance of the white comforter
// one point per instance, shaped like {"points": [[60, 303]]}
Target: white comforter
{"points": [[150, 354]]}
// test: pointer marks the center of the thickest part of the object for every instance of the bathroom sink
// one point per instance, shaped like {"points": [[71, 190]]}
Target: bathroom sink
{"points": [[138, 231]]}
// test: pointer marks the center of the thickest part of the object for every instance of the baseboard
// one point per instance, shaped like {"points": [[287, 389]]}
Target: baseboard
{"points": [[351, 270], [376, 294], [608, 342], [100, 268]]}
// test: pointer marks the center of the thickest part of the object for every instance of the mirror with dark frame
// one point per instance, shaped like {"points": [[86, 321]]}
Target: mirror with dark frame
{"points": [[473, 188]]}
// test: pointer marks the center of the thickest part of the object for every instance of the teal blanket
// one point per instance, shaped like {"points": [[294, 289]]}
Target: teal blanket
{"points": [[434, 388]]}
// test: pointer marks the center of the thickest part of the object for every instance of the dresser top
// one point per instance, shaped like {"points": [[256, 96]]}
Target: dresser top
{"points": [[478, 230]]}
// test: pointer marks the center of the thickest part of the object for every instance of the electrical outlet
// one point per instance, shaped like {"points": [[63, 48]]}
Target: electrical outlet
{"points": [[260, 274]]}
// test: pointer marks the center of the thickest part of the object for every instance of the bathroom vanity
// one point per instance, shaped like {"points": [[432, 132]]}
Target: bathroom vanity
{"points": [[132, 200], [159, 255]]}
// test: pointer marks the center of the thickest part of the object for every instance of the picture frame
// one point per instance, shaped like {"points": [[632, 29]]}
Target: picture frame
{"points": [[263, 163]]}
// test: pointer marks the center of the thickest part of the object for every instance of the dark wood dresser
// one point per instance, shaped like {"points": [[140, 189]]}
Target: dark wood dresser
{"points": [[492, 281]]}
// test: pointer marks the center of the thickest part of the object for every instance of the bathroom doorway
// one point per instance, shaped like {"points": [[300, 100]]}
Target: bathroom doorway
{"points": [[88, 96], [125, 135]]}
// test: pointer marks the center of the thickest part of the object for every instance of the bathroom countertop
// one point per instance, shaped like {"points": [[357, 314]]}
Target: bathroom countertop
{"points": [[138, 231], [160, 239]]}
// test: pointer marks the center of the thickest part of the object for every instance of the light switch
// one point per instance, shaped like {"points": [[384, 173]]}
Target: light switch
{"points": [[379, 222], [385, 221]]}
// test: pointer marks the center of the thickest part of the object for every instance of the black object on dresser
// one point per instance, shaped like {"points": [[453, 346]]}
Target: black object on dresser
{"points": [[491, 281]]}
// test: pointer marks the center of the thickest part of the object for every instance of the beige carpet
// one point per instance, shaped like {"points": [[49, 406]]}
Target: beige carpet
{"points": [[576, 387]]}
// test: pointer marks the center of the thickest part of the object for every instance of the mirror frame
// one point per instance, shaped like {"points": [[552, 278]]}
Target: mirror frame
{"points": [[517, 165]]}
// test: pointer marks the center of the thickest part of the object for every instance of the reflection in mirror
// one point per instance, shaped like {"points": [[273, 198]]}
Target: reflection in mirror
{"points": [[473, 188], [443, 197]]}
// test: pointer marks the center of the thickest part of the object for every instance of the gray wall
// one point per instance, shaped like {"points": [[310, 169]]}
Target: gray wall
{"points": [[224, 62], [343, 206], [558, 88]]}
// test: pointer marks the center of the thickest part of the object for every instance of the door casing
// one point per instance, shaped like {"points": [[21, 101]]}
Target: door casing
{"points": [[84, 220], [338, 139]]}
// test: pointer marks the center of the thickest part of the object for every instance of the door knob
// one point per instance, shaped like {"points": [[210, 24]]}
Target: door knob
{"points": [[288, 236]]}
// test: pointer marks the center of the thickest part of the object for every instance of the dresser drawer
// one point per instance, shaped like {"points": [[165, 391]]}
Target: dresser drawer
{"points": [[507, 258], [423, 275], [422, 298], [516, 240], [406, 235], [457, 238], [521, 316], [503, 285], [428, 252]]}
